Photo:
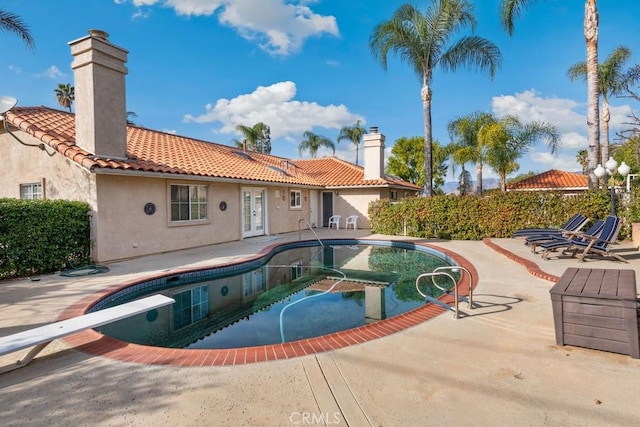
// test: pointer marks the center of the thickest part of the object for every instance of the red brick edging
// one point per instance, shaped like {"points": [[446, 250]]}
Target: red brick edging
{"points": [[95, 343], [531, 266]]}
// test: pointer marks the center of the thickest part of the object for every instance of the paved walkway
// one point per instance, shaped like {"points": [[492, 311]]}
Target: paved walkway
{"points": [[498, 366]]}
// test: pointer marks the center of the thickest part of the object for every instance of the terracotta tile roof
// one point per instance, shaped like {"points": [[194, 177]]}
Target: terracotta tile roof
{"points": [[153, 151], [552, 180], [333, 172]]}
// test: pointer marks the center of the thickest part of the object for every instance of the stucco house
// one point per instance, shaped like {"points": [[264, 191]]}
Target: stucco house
{"points": [[152, 192]]}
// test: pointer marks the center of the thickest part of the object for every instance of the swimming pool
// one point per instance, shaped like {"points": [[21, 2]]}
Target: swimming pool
{"points": [[300, 290]]}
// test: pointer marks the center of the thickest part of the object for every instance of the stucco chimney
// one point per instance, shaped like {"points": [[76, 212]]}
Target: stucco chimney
{"points": [[373, 154], [99, 73]]}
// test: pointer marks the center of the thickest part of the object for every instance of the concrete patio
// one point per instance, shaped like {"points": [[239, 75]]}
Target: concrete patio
{"points": [[499, 365]]}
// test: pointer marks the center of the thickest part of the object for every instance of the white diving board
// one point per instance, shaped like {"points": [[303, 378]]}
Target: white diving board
{"points": [[41, 336]]}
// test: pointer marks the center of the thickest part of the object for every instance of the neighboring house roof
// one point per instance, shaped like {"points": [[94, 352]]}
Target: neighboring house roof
{"points": [[152, 151], [552, 180]]}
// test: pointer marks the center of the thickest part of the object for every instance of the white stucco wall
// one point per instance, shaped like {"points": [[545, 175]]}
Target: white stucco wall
{"points": [[61, 178], [354, 201]]}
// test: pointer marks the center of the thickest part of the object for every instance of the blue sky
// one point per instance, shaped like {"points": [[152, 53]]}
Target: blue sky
{"points": [[200, 67]]}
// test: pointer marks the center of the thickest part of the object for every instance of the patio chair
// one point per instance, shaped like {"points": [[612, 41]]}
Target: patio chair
{"points": [[353, 221], [335, 220], [536, 240], [575, 223], [590, 244]]}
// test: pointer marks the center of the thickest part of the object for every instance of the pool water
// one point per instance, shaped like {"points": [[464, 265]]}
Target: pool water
{"points": [[297, 293]]}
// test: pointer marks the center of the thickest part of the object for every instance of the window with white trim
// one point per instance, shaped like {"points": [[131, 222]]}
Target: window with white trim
{"points": [[394, 195], [295, 199], [296, 270], [190, 306], [31, 191], [188, 202]]}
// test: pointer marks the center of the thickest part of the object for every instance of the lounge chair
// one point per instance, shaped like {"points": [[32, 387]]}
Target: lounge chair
{"points": [[536, 240], [575, 223], [590, 244]]}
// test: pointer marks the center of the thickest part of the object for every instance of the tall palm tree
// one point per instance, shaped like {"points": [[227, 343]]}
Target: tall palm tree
{"points": [[14, 24], [464, 182], [257, 137], [313, 142], [65, 94], [611, 81], [510, 10], [424, 42], [465, 146], [508, 138], [352, 134]]}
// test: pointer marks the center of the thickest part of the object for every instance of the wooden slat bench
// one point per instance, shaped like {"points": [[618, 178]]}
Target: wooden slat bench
{"points": [[41, 336], [598, 309]]}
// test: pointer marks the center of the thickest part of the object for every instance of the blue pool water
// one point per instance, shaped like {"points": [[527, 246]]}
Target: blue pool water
{"points": [[300, 290]]}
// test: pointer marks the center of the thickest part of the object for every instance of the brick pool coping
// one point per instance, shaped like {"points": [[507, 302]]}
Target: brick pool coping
{"points": [[94, 343]]}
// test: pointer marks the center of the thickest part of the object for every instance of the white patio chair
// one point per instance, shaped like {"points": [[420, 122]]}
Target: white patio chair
{"points": [[353, 221], [335, 220]]}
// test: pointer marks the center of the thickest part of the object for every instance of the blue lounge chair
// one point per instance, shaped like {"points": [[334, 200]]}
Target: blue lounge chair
{"points": [[575, 223], [590, 244], [561, 239]]}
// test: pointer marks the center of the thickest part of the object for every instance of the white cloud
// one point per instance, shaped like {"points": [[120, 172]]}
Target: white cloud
{"points": [[529, 107], [53, 73], [546, 161], [190, 7], [280, 27], [275, 105], [572, 140], [561, 112], [15, 69], [620, 117]]}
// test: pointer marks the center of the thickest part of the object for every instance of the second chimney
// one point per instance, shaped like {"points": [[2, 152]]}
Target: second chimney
{"points": [[373, 154]]}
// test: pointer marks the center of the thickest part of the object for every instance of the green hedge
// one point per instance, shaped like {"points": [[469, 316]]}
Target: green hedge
{"points": [[42, 236], [497, 214]]}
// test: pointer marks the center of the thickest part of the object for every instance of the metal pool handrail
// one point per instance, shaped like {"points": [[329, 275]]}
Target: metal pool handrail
{"points": [[438, 272], [310, 228], [340, 280]]}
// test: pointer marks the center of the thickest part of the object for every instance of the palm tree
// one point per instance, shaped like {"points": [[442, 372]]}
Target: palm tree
{"points": [[424, 42], [611, 81], [313, 142], [465, 146], [510, 10], [582, 157], [353, 134], [131, 115], [12, 23], [65, 94], [508, 138], [257, 137], [464, 182]]}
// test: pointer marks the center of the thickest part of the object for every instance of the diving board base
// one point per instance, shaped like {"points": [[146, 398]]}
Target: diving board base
{"points": [[40, 337]]}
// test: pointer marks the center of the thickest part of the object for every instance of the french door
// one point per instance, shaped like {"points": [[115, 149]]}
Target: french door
{"points": [[253, 212]]}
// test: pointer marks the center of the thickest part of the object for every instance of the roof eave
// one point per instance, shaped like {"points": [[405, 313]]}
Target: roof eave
{"points": [[187, 177]]}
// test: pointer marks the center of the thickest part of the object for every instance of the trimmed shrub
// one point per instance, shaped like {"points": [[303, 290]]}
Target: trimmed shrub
{"points": [[42, 236], [496, 214]]}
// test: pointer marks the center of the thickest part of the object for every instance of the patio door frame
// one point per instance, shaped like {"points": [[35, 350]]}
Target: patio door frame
{"points": [[253, 215]]}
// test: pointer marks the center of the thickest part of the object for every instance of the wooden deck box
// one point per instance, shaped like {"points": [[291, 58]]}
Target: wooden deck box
{"points": [[598, 309]]}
